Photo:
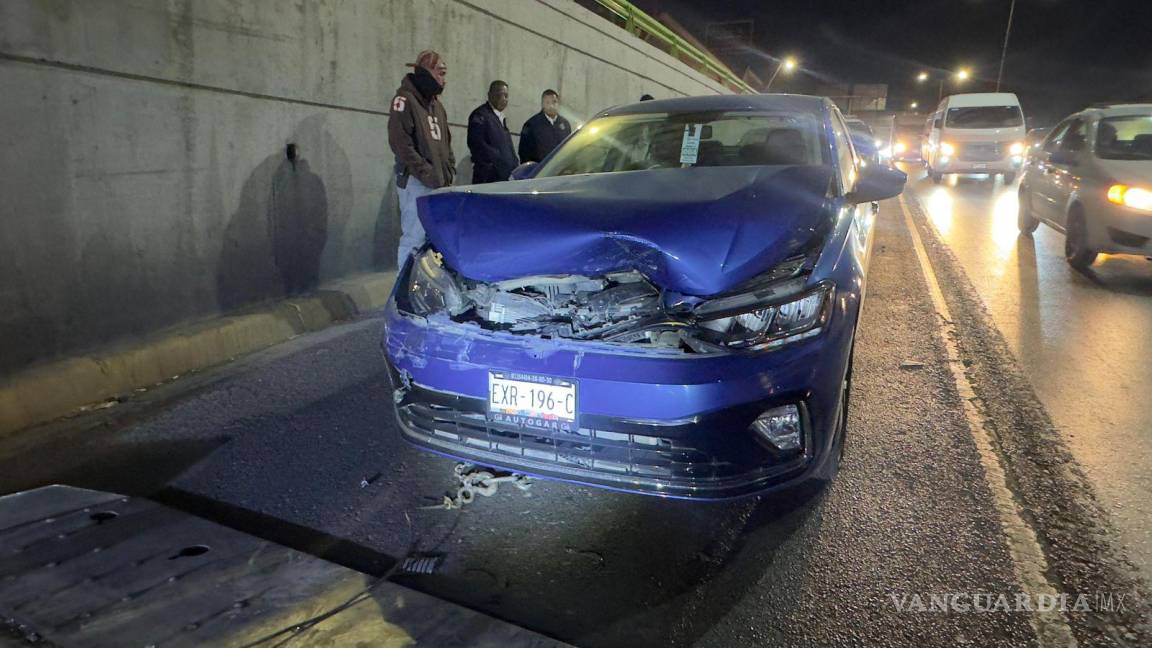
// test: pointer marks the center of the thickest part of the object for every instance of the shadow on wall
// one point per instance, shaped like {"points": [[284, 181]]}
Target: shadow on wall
{"points": [[274, 242]]}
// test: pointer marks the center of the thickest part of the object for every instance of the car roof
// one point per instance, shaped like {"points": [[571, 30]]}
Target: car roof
{"points": [[750, 102], [982, 99], [1118, 110]]}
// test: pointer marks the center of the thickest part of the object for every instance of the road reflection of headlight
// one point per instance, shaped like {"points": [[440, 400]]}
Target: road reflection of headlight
{"points": [[1005, 230], [939, 206]]}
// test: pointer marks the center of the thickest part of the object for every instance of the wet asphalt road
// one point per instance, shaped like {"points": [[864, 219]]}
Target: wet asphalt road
{"points": [[280, 443], [1081, 339]]}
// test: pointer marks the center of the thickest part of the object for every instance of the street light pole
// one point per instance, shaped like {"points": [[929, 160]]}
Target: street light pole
{"points": [[1004, 50], [785, 64]]}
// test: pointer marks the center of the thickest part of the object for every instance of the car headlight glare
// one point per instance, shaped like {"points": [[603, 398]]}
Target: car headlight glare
{"points": [[431, 287], [1017, 148], [1134, 197], [946, 148], [775, 324], [900, 147]]}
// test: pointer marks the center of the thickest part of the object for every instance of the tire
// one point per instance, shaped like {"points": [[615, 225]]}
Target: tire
{"points": [[1024, 218], [1009, 177], [936, 176], [832, 466], [1076, 250]]}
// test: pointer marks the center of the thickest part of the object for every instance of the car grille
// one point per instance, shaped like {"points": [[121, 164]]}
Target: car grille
{"points": [[981, 152], [635, 455]]}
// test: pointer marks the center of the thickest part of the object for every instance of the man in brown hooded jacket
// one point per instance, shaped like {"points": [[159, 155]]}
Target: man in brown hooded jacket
{"points": [[419, 137]]}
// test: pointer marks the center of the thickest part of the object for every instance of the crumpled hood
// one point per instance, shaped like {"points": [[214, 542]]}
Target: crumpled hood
{"points": [[698, 231]]}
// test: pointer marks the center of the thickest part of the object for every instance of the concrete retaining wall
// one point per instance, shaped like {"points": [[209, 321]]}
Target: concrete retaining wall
{"points": [[143, 177]]}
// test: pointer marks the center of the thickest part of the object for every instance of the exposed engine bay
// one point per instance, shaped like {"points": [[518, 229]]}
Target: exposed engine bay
{"points": [[626, 308], [619, 307]]}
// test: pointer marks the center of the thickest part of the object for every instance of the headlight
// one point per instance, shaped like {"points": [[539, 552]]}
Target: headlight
{"points": [[431, 288], [900, 147], [1134, 197], [1017, 148], [947, 149], [770, 325]]}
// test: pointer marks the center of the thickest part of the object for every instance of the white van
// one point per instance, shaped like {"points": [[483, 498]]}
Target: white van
{"points": [[981, 132]]}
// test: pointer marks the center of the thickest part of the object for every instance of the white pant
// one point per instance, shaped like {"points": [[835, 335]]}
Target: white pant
{"points": [[411, 230]]}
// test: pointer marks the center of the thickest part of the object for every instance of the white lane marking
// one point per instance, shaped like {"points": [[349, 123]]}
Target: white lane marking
{"points": [[1027, 557]]}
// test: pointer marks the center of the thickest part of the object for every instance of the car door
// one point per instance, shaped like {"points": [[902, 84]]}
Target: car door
{"points": [[1063, 169], [1042, 192], [934, 129]]}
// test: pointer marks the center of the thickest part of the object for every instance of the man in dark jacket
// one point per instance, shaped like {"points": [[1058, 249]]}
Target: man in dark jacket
{"points": [[493, 156], [418, 135], [545, 130]]}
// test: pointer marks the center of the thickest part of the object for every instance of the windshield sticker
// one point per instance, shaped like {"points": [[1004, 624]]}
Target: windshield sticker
{"points": [[690, 145]]}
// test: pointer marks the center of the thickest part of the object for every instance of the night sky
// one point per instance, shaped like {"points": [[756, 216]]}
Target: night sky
{"points": [[1062, 55]]}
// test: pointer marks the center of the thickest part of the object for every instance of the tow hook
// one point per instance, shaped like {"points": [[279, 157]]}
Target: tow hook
{"points": [[473, 480]]}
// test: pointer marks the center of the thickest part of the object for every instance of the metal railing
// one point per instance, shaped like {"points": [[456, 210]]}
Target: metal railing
{"points": [[640, 24]]}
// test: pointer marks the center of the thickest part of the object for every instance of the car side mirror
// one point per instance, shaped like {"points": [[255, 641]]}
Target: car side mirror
{"points": [[1066, 158], [877, 182], [523, 171]]}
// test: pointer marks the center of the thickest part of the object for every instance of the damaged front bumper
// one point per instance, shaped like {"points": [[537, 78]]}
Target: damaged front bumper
{"points": [[650, 420]]}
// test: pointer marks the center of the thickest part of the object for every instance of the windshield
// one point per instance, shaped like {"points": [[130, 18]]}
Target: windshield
{"points": [[673, 141], [984, 117], [1125, 138]]}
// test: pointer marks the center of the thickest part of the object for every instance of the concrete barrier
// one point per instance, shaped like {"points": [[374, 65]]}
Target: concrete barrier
{"points": [[145, 181], [144, 173], [69, 386]]}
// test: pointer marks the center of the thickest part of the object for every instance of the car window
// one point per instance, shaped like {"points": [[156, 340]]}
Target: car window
{"points": [[1073, 140], [1052, 143], [664, 140], [846, 160], [984, 117], [1124, 138]]}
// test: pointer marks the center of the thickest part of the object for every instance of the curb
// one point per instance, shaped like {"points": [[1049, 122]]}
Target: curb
{"points": [[68, 386]]}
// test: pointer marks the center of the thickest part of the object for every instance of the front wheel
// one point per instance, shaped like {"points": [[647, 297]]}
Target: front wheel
{"points": [[832, 465], [936, 176], [1009, 177], [1024, 218], [1076, 250]]}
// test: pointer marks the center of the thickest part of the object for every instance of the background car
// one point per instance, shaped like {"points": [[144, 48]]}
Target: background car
{"points": [[864, 139], [665, 305], [906, 144], [979, 132], [1092, 180]]}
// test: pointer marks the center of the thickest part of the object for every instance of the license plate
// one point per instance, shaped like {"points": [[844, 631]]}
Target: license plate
{"points": [[532, 401], [979, 166]]}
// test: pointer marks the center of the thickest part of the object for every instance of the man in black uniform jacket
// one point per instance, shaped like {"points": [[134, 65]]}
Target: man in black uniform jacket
{"points": [[545, 130], [493, 156]]}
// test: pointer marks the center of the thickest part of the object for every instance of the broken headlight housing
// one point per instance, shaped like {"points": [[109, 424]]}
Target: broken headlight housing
{"points": [[782, 319], [431, 287]]}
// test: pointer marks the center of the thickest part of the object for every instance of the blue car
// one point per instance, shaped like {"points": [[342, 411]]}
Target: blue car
{"points": [[665, 305]]}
